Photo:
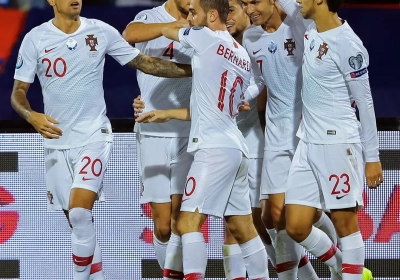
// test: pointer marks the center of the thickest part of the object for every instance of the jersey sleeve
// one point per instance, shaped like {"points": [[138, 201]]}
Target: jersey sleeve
{"points": [[351, 58], [292, 9], [25, 69], [144, 17], [117, 46], [197, 38]]}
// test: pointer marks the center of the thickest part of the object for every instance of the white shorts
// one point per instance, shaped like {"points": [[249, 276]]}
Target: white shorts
{"points": [[255, 166], [163, 167], [326, 176], [217, 183], [82, 167], [275, 171]]}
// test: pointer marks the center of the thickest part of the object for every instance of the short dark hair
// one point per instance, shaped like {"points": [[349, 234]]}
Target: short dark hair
{"points": [[222, 7], [334, 5]]}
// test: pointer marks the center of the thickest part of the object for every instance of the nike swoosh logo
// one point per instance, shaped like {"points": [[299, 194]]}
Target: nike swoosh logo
{"points": [[87, 179], [183, 200], [340, 197], [254, 53], [306, 36], [47, 51]]}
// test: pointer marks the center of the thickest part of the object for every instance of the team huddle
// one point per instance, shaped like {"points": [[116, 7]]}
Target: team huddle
{"points": [[260, 129]]}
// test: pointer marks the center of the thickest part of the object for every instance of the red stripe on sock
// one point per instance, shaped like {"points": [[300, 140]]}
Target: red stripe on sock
{"points": [[282, 267], [194, 276], [96, 267], [82, 261], [240, 278], [173, 274], [352, 268], [328, 255], [304, 260]]}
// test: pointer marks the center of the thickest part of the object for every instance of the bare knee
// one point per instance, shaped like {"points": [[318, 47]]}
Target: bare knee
{"points": [[266, 216], [299, 221], [259, 225], [241, 227], [229, 238], [190, 222], [345, 221], [162, 220]]}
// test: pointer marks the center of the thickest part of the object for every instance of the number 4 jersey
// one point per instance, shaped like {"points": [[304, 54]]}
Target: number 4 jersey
{"points": [[163, 93], [70, 71]]}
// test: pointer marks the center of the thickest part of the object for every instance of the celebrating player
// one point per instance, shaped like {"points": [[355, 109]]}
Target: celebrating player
{"points": [[67, 53], [327, 168], [217, 182], [275, 45], [163, 160]]}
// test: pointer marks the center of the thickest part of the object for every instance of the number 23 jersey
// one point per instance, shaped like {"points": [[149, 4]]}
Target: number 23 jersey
{"points": [[70, 70]]}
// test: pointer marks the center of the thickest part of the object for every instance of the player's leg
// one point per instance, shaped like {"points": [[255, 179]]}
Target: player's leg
{"points": [[88, 164], [154, 168], [266, 218], [342, 183], [303, 198], [234, 266], [207, 190], [180, 165], [274, 183], [241, 225]]}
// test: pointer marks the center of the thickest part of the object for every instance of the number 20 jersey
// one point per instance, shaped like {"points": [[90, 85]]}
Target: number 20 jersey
{"points": [[163, 93], [70, 70]]}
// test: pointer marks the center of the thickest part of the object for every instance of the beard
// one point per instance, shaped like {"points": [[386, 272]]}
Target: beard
{"points": [[310, 13], [181, 8]]}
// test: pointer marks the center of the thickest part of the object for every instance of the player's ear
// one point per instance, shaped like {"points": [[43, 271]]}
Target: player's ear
{"points": [[213, 15], [320, 2], [51, 2]]}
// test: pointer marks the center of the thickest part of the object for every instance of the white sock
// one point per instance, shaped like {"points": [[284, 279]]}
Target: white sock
{"points": [[319, 244], [234, 266], [288, 254], [83, 239], [325, 224], [160, 249], [194, 256], [306, 270], [353, 252], [271, 254], [255, 258], [96, 270], [272, 234], [173, 268]]}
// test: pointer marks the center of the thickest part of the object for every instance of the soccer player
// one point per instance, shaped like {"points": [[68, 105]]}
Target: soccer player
{"points": [[217, 182], [275, 45], [328, 166], [162, 157], [67, 54]]}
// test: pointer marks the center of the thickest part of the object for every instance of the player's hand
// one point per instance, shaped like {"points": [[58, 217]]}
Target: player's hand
{"points": [[158, 116], [373, 173], [182, 23], [138, 106], [245, 107], [44, 125]]}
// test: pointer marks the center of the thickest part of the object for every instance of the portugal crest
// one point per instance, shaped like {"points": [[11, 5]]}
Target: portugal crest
{"points": [[290, 46], [91, 41]]}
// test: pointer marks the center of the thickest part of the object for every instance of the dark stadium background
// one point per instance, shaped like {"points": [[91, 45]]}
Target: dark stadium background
{"points": [[376, 22]]}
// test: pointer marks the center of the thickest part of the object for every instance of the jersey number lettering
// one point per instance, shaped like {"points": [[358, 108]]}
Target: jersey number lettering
{"points": [[55, 63], [259, 62], [93, 166], [345, 178], [222, 91], [169, 52]]}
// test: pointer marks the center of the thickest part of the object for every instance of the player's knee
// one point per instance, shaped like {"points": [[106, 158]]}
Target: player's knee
{"points": [[267, 218], [162, 230], [297, 232], [81, 222], [277, 218]]}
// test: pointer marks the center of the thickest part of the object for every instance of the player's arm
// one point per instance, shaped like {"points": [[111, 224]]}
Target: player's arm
{"points": [[42, 123], [159, 67], [137, 32], [361, 92], [171, 33], [160, 116], [261, 107], [292, 9]]}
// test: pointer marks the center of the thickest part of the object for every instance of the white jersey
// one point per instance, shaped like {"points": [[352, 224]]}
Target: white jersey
{"points": [[331, 60], [277, 57], [221, 75], [249, 124], [163, 93], [70, 71]]}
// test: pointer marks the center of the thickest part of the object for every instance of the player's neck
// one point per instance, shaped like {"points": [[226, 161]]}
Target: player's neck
{"points": [[275, 21], [217, 26], [67, 25], [327, 21], [239, 37], [173, 10]]}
